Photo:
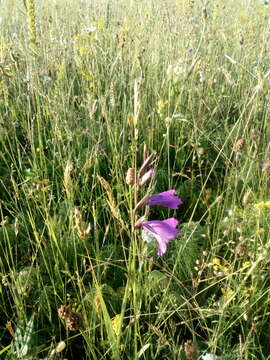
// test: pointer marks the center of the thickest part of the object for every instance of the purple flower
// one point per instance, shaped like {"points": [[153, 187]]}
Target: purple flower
{"points": [[265, 165], [166, 199], [161, 230]]}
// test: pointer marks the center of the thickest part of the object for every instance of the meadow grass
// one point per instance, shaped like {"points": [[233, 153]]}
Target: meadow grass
{"points": [[87, 89]]}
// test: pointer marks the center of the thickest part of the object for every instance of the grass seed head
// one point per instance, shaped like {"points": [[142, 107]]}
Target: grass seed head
{"points": [[68, 183], [97, 303], [80, 225], [241, 250], [239, 145], [131, 176], [246, 197], [191, 350]]}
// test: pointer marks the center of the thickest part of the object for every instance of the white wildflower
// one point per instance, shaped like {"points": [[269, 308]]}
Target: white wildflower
{"points": [[209, 356], [88, 30]]}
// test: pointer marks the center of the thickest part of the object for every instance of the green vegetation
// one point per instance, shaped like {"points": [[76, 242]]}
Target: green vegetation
{"points": [[87, 89]]}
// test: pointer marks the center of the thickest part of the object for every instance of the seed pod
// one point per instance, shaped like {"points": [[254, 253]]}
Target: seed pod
{"points": [[131, 176]]}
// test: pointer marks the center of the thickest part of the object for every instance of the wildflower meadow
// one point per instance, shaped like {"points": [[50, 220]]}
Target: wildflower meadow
{"points": [[134, 180]]}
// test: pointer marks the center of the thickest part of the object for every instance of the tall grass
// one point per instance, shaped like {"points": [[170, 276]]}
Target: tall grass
{"points": [[87, 89]]}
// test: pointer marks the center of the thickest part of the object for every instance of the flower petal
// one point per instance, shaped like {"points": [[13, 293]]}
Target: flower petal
{"points": [[166, 199], [163, 231]]}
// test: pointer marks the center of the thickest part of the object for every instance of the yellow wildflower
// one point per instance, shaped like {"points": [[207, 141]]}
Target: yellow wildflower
{"points": [[224, 269], [228, 293], [246, 263], [216, 261], [261, 206]]}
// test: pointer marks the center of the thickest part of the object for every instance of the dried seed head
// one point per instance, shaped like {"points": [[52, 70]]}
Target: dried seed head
{"points": [[97, 303], [72, 318], [131, 176], [77, 215], [83, 230], [4, 222], [241, 250], [74, 321], [191, 350], [68, 183], [63, 311], [207, 194], [246, 198], [114, 207], [219, 199], [9, 327], [239, 145]]}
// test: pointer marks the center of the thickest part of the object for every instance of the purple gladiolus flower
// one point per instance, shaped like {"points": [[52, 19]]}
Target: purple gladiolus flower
{"points": [[161, 230], [166, 199]]}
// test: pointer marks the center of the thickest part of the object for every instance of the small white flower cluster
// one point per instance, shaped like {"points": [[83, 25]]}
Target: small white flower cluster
{"points": [[209, 356], [88, 30]]}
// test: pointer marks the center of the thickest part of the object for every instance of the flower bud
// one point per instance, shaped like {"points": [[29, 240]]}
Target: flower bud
{"points": [[147, 161], [146, 177]]}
